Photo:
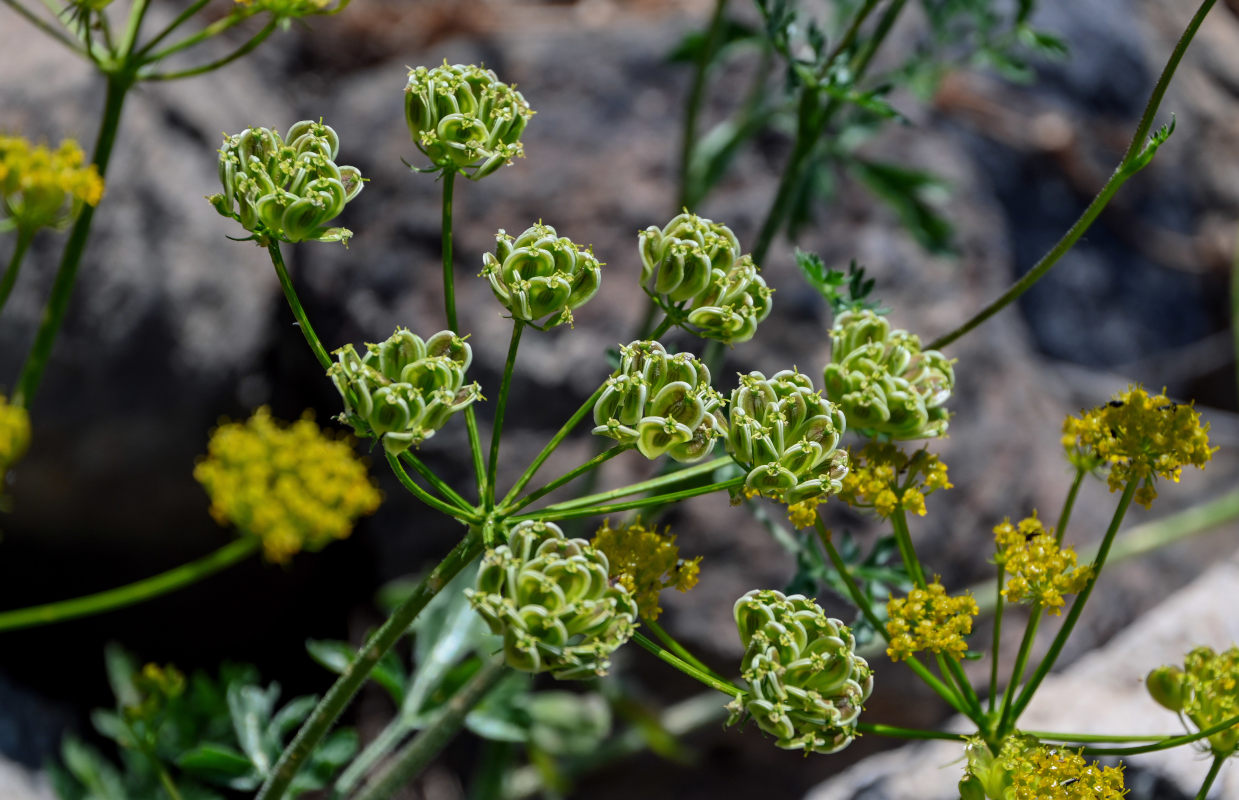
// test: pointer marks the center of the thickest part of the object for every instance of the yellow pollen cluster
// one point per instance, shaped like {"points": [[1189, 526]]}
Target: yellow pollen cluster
{"points": [[1041, 570], [40, 186], [293, 487], [1139, 437], [930, 619], [884, 478], [804, 513], [14, 434], [1045, 773], [645, 562]]}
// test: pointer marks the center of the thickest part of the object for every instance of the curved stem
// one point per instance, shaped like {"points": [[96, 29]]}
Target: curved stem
{"points": [[501, 405], [1047, 663], [555, 441], [592, 464], [66, 274], [408, 763], [180, 20], [1218, 760], [214, 29], [290, 294], [1130, 164], [908, 733], [24, 238], [556, 513], [133, 593], [426, 497], [1164, 744], [692, 106], [1083, 738], [347, 685], [726, 687], [211, 66], [659, 482], [680, 650], [434, 480]]}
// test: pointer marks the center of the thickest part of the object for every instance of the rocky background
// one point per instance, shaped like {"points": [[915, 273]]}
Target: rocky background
{"points": [[174, 326]]}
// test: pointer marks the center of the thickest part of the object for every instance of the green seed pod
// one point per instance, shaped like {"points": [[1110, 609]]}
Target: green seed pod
{"points": [[552, 601], [693, 269], [806, 683], [1166, 686], [464, 119], [883, 380], [404, 389], [785, 434], [540, 275], [286, 188], [661, 404]]}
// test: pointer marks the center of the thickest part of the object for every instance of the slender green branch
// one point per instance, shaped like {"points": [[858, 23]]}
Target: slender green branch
{"points": [[592, 464], [664, 326], [211, 66], [1131, 163], [1104, 738], [908, 733], [129, 39], [46, 27], [177, 22], [659, 482], [212, 30], [680, 650], [409, 762], [726, 687], [290, 294], [849, 36], [137, 592], [903, 539], [449, 276], [1047, 663], [1214, 769], [1164, 744], [1065, 515], [692, 106], [555, 441], [434, 480], [1021, 662], [501, 405], [996, 648], [346, 686], [24, 238], [475, 449], [558, 512], [66, 274], [427, 498]]}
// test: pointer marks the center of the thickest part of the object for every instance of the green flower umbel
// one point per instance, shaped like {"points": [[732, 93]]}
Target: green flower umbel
{"points": [[1206, 691], [288, 188], [693, 269], [552, 600], [404, 389], [540, 276], [464, 118], [883, 380], [806, 683], [785, 434], [661, 404]]}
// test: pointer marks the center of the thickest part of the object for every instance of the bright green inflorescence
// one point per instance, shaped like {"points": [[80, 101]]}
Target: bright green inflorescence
{"points": [[883, 380], [552, 601], [286, 189], [785, 434], [464, 118], [693, 269], [540, 276], [661, 404], [806, 683], [1025, 769], [404, 389], [1206, 690]]}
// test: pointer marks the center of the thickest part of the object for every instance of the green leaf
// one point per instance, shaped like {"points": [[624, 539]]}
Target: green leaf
{"points": [[216, 763], [842, 291], [911, 194], [121, 667], [337, 655], [690, 48], [290, 717], [1151, 147]]}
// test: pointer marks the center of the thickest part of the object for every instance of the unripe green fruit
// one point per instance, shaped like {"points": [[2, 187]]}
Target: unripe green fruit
{"points": [[540, 276]]}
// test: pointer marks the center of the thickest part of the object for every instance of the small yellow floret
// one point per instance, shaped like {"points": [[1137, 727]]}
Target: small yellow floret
{"points": [[1139, 438], [1041, 570], [293, 487], [645, 562], [14, 434], [804, 513], [884, 478], [1047, 773], [40, 187], [930, 619]]}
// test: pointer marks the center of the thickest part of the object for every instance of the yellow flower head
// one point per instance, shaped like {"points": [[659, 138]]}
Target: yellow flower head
{"points": [[294, 487], [645, 562], [155, 685], [1206, 690], [1041, 570], [804, 513], [40, 187], [1139, 437], [930, 620], [884, 478], [1025, 769], [14, 434]]}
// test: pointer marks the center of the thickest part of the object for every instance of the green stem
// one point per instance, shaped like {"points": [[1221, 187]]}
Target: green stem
{"points": [[501, 406], [1128, 166], [449, 277], [347, 685], [1164, 744], [903, 539], [908, 733], [130, 594], [66, 274], [24, 238], [997, 643], [211, 66], [558, 512], [46, 27], [1212, 776], [1021, 663], [1065, 516], [212, 30], [644, 486], [853, 29], [692, 106], [680, 650], [475, 449], [180, 20], [408, 763], [555, 441], [434, 480], [129, 39], [592, 464], [290, 294], [1084, 738], [1077, 607], [664, 326], [426, 497], [726, 687]]}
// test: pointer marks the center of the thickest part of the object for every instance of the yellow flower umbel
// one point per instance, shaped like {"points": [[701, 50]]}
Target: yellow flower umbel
{"points": [[40, 187], [1139, 437], [1206, 690], [293, 487], [1041, 570], [14, 436], [930, 619], [1025, 769], [645, 562], [804, 513], [884, 478]]}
